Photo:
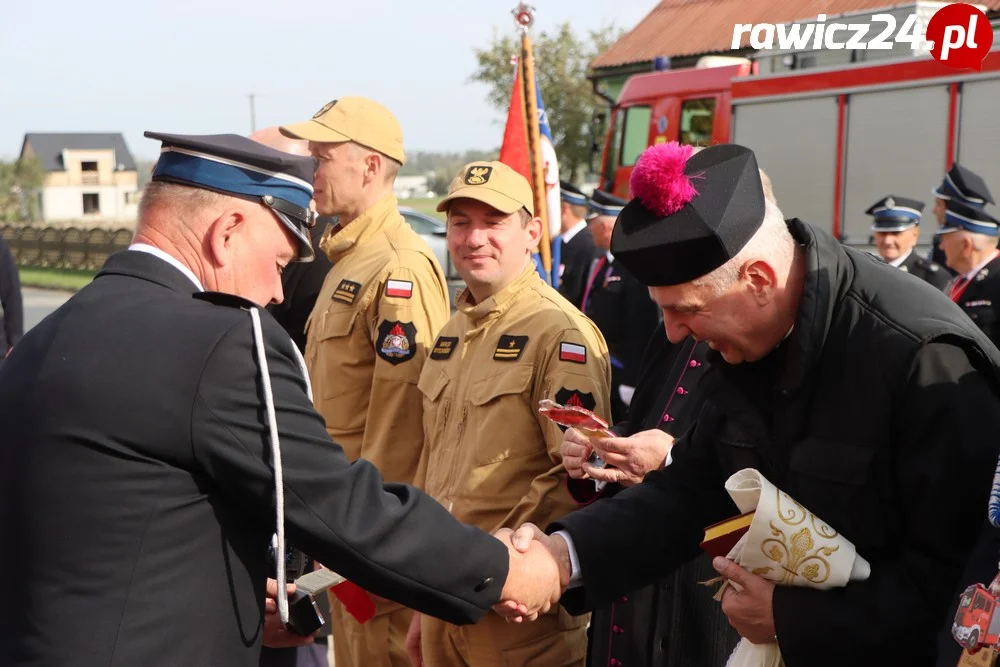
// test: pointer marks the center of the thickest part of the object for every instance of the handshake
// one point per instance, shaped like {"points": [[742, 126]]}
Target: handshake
{"points": [[540, 571]]}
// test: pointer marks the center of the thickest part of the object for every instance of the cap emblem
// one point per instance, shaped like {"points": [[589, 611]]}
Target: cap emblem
{"points": [[478, 175], [327, 107], [890, 202]]}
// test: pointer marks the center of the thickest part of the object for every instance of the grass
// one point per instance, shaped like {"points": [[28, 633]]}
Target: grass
{"points": [[63, 279], [424, 205]]}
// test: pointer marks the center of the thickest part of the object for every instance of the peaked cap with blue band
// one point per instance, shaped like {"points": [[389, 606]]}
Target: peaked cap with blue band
{"points": [[958, 216], [965, 186], [895, 214], [240, 167], [571, 194], [603, 203]]}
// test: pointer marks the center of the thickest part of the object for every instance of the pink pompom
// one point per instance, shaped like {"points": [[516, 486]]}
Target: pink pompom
{"points": [[659, 181]]}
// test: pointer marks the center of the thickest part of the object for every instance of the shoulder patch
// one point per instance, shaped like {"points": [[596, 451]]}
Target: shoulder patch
{"points": [[401, 289], [572, 352], [571, 397], [444, 347], [397, 341], [223, 299], [347, 292], [510, 348]]}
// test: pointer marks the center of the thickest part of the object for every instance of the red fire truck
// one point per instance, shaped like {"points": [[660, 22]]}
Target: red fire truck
{"points": [[833, 139], [976, 623]]}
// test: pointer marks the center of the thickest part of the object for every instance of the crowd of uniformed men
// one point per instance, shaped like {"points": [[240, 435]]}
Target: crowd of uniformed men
{"points": [[857, 393]]}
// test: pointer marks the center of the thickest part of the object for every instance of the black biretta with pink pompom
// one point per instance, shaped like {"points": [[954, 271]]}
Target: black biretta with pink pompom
{"points": [[690, 212]]}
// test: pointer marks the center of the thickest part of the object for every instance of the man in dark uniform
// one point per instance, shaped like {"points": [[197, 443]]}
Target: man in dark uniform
{"points": [[969, 241], [158, 426], [897, 228], [578, 251], [11, 304], [673, 622], [963, 186], [618, 304], [861, 393]]}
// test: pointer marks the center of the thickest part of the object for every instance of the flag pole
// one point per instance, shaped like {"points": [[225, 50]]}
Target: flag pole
{"points": [[524, 16]]}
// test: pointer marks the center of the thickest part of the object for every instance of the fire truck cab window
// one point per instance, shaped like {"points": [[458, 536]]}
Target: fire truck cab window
{"points": [[636, 135], [611, 164], [697, 119], [979, 603]]}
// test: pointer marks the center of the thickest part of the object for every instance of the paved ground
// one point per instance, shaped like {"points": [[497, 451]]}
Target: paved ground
{"points": [[40, 302]]}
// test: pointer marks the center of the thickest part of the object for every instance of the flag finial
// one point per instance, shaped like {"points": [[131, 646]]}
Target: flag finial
{"points": [[524, 15]]}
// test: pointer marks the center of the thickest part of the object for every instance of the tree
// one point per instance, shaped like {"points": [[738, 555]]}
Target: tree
{"points": [[561, 63], [19, 183]]}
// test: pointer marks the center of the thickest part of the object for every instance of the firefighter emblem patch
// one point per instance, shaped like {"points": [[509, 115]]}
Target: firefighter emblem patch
{"points": [[573, 398], [397, 341]]}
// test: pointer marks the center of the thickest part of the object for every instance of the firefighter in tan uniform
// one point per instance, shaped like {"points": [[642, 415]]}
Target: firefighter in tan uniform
{"points": [[372, 328], [489, 457]]}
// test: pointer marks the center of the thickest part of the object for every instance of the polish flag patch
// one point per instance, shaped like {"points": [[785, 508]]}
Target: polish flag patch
{"points": [[572, 352], [399, 288]]}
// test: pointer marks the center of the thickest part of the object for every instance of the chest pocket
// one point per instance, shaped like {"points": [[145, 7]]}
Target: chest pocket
{"points": [[502, 415], [836, 481], [333, 345], [437, 404]]}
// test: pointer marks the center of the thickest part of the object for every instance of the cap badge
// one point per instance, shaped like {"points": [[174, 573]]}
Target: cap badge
{"points": [[329, 105], [890, 202], [478, 175]]}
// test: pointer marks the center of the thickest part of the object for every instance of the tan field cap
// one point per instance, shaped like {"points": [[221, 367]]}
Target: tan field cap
{"points": [[492, 183], [356, 119]]}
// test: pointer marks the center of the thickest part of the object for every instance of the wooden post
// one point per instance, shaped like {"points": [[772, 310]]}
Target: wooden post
{"points": [[535, 148]]}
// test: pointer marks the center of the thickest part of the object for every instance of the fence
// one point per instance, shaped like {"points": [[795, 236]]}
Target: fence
{"points": [[68, 248]]}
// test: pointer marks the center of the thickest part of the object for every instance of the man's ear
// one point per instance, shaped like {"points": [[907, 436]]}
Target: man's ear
{"points": [[373, 167], [219, 238], [761, 280], [534, 229]]}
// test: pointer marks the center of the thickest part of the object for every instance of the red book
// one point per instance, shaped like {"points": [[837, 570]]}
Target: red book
{"points": [[721, 537], [356, 601]]}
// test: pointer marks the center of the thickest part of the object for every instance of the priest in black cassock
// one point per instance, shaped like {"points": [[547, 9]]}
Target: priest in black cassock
{"points": [[861, 393]]}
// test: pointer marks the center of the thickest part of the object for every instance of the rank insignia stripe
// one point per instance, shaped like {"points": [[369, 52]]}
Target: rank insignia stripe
{"points": [[347, 292], [397, 341], [510, 348], [572, 352], [444, 347], [402, 289]]}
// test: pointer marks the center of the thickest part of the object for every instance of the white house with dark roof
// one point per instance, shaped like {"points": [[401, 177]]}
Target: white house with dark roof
{"points": [[88, 176]]}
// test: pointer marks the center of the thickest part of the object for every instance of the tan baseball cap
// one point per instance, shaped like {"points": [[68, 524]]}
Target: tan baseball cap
{"points": [[492, 183], [356, 119]]}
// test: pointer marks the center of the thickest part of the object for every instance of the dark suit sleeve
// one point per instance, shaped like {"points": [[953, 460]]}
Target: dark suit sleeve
{"points": [[646, 531], [10, 297], [947, 419], [391, 539]]}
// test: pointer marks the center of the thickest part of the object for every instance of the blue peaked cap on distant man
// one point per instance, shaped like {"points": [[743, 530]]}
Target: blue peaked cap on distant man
{"points": [[240, 167]]}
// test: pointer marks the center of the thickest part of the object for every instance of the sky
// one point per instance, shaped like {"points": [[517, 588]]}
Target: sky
{"points": [[189, 66]]}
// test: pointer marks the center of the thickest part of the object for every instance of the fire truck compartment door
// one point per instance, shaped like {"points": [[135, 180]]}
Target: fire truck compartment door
{"points": [[795, 143]]}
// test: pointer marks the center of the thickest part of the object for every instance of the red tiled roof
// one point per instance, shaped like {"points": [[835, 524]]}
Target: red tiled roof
{"points": [[689, 27]]}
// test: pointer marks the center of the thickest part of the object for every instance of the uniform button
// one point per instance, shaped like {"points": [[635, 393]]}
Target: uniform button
{"points": [[694, 364], [481, 586], [667, 418], [681, 390], [624, 598], [617, 629], [663, 645], [615, 662]]}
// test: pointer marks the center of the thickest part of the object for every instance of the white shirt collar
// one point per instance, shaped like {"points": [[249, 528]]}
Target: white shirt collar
{"points": [[169, 259], [611, 258], [568, 235], [898, 262], [972, 274]]}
